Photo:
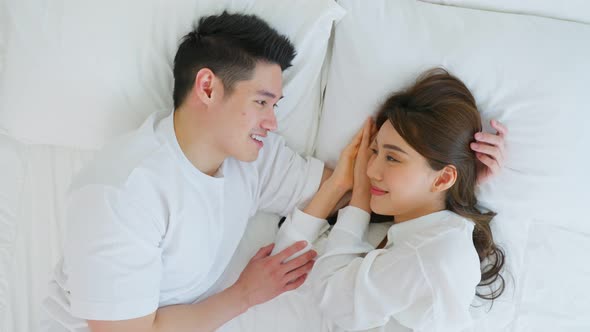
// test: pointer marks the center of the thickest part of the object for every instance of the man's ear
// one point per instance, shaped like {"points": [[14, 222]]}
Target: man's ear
{"points": [[203, 87], [445, 179]]}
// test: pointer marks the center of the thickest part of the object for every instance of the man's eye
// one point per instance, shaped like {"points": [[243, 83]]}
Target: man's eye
{"points": [[261, 102]]}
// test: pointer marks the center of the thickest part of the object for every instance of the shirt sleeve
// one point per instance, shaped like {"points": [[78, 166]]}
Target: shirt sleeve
{"points": [[299, 226], [286, 180], [112, 259], [358, 287]]}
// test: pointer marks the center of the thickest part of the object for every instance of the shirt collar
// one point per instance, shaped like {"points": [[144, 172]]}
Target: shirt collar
{"points": [[404, 230]]}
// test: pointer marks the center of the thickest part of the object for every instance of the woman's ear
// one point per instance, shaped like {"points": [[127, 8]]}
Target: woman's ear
{"points": [[445, 179]]}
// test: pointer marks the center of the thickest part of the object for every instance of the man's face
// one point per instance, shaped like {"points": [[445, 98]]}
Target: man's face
{"points": [[247, 114]]}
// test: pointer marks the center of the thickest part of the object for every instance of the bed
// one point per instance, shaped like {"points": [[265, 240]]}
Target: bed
{"points": [[74, 75]]}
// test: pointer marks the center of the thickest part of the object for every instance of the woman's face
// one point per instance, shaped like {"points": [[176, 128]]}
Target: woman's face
{"points": [[401, 179]]}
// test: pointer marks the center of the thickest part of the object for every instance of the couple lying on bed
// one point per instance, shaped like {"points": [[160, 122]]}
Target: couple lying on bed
{"points": [[154, 219]]}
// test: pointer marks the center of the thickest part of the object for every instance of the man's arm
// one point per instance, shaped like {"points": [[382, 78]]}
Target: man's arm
{"points": [[203, 316], [248, 291]]}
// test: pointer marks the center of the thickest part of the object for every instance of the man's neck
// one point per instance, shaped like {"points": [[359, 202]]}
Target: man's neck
{"points": [[196, 141]]}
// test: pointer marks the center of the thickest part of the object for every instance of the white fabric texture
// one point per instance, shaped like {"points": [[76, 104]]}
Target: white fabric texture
{"points": [[34, 183], [571, 10], [128, 257], [3, 34], [107, 65]]}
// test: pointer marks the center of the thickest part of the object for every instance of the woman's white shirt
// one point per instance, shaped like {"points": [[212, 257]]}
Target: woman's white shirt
{"points": [[425, 277]]}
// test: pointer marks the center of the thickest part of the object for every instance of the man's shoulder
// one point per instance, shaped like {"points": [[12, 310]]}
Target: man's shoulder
{"points": [[116, 163]]}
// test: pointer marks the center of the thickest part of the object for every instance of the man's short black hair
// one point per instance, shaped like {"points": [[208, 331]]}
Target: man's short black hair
{"points": [[229, 45]]}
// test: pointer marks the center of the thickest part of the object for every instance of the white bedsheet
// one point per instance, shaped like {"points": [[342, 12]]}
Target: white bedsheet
{"points": [[33, 181]]}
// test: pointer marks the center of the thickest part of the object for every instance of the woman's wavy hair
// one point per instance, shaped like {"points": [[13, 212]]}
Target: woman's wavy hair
{"points": [[438, 117]]}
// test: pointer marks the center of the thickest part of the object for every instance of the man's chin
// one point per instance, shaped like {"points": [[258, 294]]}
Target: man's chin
{"points": [[247, 157]]}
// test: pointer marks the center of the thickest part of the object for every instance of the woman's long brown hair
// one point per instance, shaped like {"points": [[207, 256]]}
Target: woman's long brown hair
{"points": [[438, 117]]}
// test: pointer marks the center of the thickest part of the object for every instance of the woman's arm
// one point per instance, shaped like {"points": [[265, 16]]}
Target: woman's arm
{"points": [[359, 288], [308, 224]]}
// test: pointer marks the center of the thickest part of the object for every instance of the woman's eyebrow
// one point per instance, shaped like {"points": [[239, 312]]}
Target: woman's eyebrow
{"points": [[391, 147]]}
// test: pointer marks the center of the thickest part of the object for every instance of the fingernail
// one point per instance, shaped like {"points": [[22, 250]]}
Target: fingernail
{"points": [[473, 145], [478, 135]]}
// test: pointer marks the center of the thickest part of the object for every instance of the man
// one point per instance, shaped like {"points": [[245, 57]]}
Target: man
{"points": [[154, 220]]}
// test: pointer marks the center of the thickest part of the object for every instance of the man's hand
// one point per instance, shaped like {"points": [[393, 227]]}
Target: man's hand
{"points": [[265, 277], [489, 150]]}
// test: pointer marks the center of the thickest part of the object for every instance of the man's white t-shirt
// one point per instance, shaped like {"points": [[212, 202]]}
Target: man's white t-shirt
{"points": [[146, 229]]}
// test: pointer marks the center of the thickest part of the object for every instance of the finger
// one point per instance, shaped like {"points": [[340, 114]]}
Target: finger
{"points": [[490, 150], [264, 251], [366, 134], [289, 251], [358, 135], [295, 284], [490, 139], [490, 162], [298, 261], [373, 135], [374, 128], [293, 275], [502, 130], [356, 140]]}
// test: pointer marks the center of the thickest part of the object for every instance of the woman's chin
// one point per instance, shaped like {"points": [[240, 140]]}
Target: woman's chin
{"points": [[380, 207]]}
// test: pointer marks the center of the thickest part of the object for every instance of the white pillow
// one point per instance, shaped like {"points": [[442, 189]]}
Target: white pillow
{"points": [[78, 73], [3, 33], [571, 10], [528, 72]]}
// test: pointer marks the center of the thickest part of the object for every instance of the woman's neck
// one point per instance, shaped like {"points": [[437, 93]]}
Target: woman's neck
{"points": [[420, 211]]}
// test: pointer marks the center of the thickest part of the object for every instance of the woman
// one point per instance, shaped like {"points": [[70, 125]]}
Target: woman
{"points": [[420, 170]]}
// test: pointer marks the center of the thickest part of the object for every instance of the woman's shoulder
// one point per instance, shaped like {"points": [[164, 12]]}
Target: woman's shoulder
{"points": [[436, 228]]}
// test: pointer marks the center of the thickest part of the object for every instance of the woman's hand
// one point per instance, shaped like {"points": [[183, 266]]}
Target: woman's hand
{"points": [[338, 184], [343, 175], [361, 190], [490, 149]]}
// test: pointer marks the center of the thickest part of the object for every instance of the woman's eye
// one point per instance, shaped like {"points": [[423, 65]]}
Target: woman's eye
{"points": [[390, 158], [261, 102]]}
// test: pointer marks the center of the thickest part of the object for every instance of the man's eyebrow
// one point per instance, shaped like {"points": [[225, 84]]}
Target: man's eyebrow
{"points": [[391, 147], [268, 94]]}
